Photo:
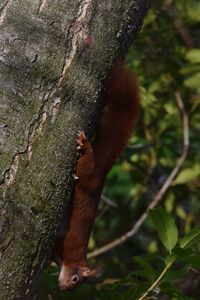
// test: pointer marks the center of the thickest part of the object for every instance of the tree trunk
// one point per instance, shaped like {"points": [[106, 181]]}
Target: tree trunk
{"points": [[53, 58]]}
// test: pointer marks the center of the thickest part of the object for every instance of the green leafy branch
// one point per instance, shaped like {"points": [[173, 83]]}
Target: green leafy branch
{"points": [[168, 234]]}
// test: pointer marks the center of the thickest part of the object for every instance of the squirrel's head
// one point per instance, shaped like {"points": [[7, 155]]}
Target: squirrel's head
{"points": [[72, 276]]}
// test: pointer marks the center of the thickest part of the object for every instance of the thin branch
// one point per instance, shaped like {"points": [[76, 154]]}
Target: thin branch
{"points": [[159, 196], [109, 202]]}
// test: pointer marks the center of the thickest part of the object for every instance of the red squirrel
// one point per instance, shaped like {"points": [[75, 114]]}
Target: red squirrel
{"points": [[96, 159]]}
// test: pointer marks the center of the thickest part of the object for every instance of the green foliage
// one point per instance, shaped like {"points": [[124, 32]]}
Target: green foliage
{"points": [[165, 227], [190, 238], [159, 281], [166, 58]]}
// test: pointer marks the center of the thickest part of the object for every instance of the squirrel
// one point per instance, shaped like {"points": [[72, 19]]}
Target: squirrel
{"points": [[96, 159]]}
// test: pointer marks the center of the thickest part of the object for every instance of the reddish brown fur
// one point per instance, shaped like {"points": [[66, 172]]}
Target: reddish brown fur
{"points": [[122, 95], [83, 208], [92, 167]]}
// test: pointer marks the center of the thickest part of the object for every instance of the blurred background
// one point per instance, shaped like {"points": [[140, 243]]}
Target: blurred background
{"points": [[166, 58]]}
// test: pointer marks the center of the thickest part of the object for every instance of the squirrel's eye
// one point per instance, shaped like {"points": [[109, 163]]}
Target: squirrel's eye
{"points": [[75, 278]]}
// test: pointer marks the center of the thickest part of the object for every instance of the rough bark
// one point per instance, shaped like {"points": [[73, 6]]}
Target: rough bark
{"points": [[54, 55]]}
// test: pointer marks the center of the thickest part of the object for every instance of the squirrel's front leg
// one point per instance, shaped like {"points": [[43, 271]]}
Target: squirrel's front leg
{"points": [[74, 267]]}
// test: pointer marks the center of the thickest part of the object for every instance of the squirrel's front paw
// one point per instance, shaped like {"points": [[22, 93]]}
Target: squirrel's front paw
{"points": [[80, 140]]}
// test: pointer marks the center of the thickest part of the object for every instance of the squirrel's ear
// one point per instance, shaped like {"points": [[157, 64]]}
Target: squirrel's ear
{"points": [[89, 273]]}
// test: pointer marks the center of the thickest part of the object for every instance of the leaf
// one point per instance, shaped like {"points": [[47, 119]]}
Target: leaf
{"points": [[193, 56], [181, 253], [193, 260], [170, 109], [193, 12], [191, 238], [169, 202], [193, 81], [165, 227], [190, 68], [140, 273], [170, 276], [148, 271], [150, 17], [187, 174], [180, 212]]}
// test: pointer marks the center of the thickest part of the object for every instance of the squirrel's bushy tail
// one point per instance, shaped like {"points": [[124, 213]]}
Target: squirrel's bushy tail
{"points": [[122, 96]]}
